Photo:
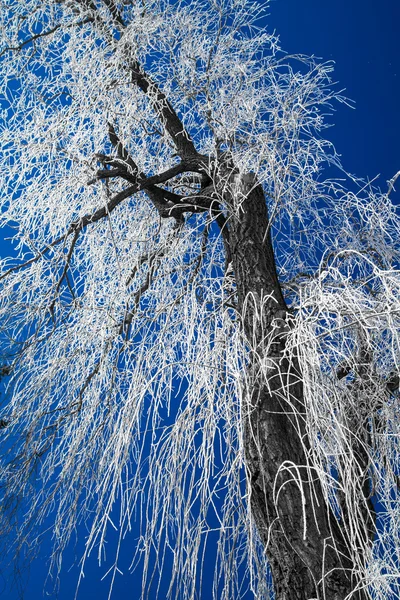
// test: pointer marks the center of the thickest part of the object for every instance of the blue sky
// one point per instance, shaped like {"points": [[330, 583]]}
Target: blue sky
{"points": [[362, 37]]}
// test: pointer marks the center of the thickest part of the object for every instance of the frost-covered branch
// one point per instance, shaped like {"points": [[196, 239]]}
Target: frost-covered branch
{"points": [[198, 330]]}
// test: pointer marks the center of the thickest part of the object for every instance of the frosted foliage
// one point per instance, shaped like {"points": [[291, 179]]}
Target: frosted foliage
{"points": [[124, 359]]}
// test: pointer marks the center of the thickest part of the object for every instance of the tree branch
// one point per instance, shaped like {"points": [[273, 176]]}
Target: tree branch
{"points": [[45, 34], [78, 225], [102, 212], [172, 123], [122, 152], [114, 12], [167, 203]]}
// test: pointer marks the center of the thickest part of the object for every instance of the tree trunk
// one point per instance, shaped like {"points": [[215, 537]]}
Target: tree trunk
{"points": [[302, 539]]}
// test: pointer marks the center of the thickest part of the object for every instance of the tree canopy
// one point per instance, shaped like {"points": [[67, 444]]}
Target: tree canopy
{"points": [[141, 143]]}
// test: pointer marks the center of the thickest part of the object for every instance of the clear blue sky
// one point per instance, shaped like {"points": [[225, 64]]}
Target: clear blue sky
{"points": [[362, 37]]}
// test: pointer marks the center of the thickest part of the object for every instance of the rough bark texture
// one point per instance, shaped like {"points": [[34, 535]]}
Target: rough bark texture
{"points": [[303, 541]]}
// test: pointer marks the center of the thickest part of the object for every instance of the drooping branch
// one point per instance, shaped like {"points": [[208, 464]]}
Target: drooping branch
{"points": [[127, 322], [167, 203], [77, 226]]}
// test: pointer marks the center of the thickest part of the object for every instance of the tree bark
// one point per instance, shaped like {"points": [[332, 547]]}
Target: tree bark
{"points": [[302, 539]]}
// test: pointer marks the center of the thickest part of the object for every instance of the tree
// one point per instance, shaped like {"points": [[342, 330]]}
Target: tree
{"points": [[194, 309]]}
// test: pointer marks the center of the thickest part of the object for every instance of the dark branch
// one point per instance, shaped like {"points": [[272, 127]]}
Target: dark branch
{"points": [[114, 12], [126, 325], [167, 203], [166, 175], [122, 153], [223, 225], [172, 123], [65, 270], [117, 172], [120, 171], [102, 212], [45, 34]]}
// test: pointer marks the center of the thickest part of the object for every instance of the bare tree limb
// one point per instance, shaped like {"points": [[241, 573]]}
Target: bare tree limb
{"points": [[174, 126], [45, 34]]}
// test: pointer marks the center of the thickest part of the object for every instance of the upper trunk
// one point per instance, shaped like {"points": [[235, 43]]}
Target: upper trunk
{"points": [[303, 541]]}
